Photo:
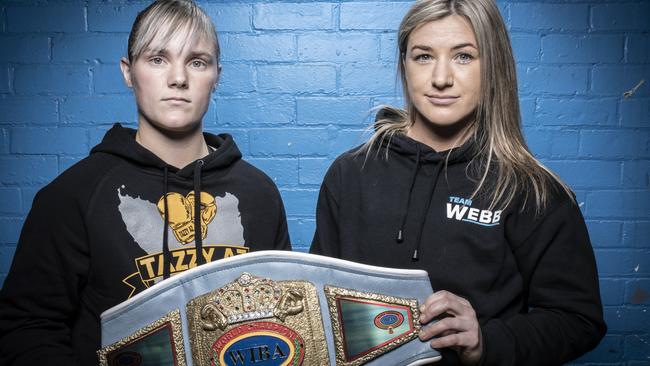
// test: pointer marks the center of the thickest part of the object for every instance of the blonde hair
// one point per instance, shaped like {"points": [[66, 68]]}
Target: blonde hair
{"points": [[165, 19], [496, 129]]}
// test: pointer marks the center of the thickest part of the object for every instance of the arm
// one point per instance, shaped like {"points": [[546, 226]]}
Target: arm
{"points": [[41, 293], [282, 241], [564, 318], [326, 237]]}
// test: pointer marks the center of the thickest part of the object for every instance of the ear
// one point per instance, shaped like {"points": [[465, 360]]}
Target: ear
{"points": [[216, 80], [125, 66]]}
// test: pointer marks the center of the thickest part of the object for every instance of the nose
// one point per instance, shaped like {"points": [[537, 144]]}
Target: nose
{"points": [[442, 74], [177, 77]]}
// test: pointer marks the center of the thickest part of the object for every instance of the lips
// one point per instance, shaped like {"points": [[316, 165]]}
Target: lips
{"points": [[176, 100], [442, 100]]}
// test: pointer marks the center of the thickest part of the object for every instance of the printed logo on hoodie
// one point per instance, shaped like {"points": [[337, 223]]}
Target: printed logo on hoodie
{"points": [[221, 231], [181, 214], [461, 209]]}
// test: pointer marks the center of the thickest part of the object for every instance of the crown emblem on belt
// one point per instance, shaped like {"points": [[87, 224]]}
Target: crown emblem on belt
{"points": [[250, 298]]}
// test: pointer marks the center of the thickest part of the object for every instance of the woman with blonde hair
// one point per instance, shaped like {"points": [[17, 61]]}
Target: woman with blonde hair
{"points": [[147, 204], [448, 185]]}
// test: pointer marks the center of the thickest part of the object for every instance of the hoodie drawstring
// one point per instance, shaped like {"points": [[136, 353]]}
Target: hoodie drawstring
{"points": [[400, 230], [166, 254], [423, 219], [198, 238], [198, 235]]}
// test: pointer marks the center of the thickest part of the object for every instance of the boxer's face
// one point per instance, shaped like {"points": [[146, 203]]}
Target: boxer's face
{"points": [[173, 82]]}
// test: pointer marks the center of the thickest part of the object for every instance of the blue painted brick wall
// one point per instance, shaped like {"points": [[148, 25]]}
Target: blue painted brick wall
{"points": [[298, 80]]}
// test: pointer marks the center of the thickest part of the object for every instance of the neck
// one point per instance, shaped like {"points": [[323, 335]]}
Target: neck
{"points": [[439, 138], [177, 150]]}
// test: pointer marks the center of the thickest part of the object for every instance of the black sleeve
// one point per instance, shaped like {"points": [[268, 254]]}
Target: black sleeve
{"points": [[326, 238], [564, 318], [40, 296], [282, 241]]}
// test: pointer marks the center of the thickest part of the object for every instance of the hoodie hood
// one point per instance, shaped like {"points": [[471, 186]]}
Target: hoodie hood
{"points": [[120, 141], [406, 146]]}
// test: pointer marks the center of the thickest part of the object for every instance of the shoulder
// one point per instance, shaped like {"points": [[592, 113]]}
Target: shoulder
{"points": [[527, 215], [536, 191], [250, 171], [350, 162], [78, 182], [255, 183], [554, 195]]}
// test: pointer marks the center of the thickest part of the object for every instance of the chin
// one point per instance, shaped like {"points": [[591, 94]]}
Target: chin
{"points": [[446, 117], [442, 120], [178, 126]]}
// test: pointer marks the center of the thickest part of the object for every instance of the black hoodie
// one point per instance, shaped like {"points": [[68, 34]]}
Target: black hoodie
{"points": [[531, 278], [96, 236]]}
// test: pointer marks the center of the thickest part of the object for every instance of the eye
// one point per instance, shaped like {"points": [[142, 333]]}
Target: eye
{"points": [[422, 58], [198, 63], [464, 58], [156, 60]]}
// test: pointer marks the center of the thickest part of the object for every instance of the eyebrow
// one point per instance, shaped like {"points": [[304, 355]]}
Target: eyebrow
{"points": [[463, 45], [201, 54], [155, 51], [458, 46], [165, 52]]}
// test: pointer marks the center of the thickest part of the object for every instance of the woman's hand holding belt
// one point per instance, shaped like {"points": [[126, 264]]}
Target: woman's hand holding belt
{"points": [[456, 327]]}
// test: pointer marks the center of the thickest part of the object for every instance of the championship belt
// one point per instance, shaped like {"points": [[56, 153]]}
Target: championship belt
{"points": [[272, 308]]}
